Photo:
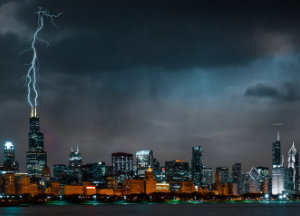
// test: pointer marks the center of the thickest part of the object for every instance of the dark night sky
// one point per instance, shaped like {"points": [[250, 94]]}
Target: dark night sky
{"points": [[162, 75]]}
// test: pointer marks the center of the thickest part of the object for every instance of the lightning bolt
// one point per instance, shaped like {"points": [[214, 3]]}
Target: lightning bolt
{"points": [[33, 70]]}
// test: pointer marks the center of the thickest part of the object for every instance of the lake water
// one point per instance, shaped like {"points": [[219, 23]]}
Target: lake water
{"points": [[227, 209]]}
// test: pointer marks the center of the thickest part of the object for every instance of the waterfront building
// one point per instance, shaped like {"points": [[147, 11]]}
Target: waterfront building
{"points": [[133, 186], [223, 174], [237, 177], [60, 173], [276, 152], [292, 180], [74, 168], [207, 177], [9, 183], [150, 182], [278, 171], [254, 181], [144, 160], [122, 166], [162, 187], [177, 171], [263, 175], [197, 165], [278, 178], [36, 157], [94, 173], [9, 162]]}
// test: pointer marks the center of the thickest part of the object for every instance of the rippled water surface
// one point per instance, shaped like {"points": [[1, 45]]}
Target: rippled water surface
{"points": [[228, 209]]}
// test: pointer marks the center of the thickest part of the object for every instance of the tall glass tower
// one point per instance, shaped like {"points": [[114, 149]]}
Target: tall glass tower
{"points": [[278, 171], [293, 170], [36, 157], [144, 160], [74, 168], [237, 176], [276, 152], [9, 157], [197, 165]]}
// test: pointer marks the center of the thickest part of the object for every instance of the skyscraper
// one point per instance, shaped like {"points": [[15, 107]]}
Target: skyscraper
{"points": [[263, 177], [278, 171], [36, 157], [207, 177], [292, 170], [223, 174], [74, 168], [144, 160], [60, 173], [122, 165], [237, 176], [177, 171], [94, 173], [197, 165], [276, 152], [9, 162]]}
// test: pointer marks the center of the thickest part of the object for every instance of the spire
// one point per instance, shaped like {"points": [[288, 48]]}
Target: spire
{"points": [[282, 160], [278, 136], [72, 150], [77, 149], [33, 112]]}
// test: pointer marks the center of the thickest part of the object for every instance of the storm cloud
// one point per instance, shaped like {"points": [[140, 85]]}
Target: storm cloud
{"points": [[165, 75]]}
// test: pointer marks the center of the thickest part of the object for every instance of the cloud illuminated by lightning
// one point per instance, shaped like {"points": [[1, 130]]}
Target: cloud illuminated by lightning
{"points": [[32, 72]]}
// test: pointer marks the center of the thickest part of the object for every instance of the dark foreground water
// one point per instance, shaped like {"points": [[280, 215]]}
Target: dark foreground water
{"points": [[227, 209]]}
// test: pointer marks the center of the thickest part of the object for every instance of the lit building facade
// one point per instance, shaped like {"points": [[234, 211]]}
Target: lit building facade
{"points": [[276, 152], [237, 176], [36, 157], [223, 174], [263, 176], [278, 171], [197, 165], [60, 173], [94, 173], [207, 177], [122, 165], [9, 162], [74, 168], [278, 178], [144, 160], [292, 180]]}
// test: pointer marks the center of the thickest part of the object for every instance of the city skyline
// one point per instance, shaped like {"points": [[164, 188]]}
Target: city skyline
{"points": [[155, 81]]}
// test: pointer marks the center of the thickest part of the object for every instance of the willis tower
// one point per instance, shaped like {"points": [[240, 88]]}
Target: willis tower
{"points": [[36, 157]]}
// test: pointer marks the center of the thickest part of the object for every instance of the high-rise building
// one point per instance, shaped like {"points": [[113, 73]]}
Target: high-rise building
{"points": [[263, 177], [177, 171], [254, 181], [161, 175], [9, 162], [144, 160], [122, 165], [292, 171], [278, 171], [60, 173], [94, 173], [197, 165], [276, 152], [36, 157], [207, 177], [223, 174], [237, 176], [156, 168], [278, 178], [74, 168]]}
